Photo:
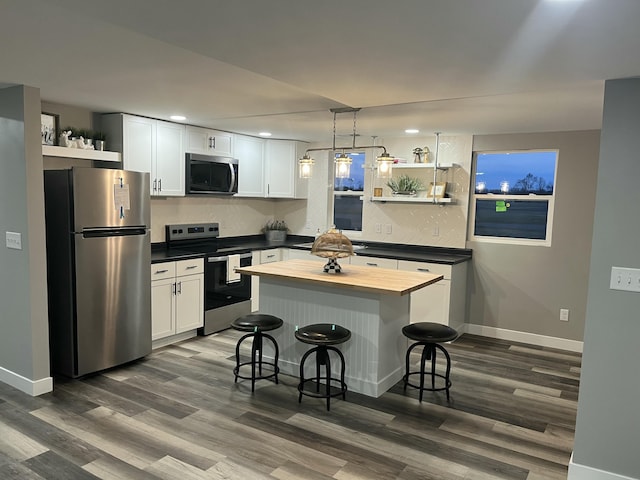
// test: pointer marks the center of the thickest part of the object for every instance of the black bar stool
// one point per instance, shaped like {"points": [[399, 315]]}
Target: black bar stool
{"points": [[256, 324], [323, 336], [429, 336]]}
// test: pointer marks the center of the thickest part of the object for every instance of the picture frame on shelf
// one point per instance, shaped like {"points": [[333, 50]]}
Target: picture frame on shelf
{"points": [[49, 128], [437, 190]]}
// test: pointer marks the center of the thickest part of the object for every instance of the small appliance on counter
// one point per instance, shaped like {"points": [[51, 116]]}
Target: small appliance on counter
{"points": [[227, 295], [98, 276]]}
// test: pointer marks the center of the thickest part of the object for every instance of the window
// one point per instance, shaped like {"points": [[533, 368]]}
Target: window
{"points": [[347, 196], [514, 197]]}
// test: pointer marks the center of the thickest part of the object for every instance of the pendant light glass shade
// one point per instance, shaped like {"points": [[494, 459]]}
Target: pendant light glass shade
{"points": [[384, 163], [305, 166], [343, 166]]}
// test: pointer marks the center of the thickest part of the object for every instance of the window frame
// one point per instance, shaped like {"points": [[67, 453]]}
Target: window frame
{"points": [[474, 197], [349, 193]]}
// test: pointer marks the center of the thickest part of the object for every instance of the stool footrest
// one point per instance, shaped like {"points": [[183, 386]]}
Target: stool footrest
{"points": [[339, 386], [274, 372], [447, 382]]}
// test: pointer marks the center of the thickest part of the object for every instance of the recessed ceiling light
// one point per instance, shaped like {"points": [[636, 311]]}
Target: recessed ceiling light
{"points": [[265, 134], [412, 130], [179, 118]]}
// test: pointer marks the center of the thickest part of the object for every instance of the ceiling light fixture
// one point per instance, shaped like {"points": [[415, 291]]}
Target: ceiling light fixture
{"points": [[179, 118], [412, 130], [343, 161], [265, 134]]}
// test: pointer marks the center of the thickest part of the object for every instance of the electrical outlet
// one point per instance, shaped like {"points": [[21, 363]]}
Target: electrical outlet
{"points": [[387, 229], [564, 314], [627, 279], [14, 240], [308, 225], [378, 228], [436, 231]]}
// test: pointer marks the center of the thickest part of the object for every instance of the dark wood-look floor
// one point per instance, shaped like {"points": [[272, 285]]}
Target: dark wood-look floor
{"points": [[177, 414]]}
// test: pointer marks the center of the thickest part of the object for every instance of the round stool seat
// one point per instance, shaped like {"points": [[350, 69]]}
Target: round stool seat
{"points": [[323, 334], [256, 321], [429, 332]]}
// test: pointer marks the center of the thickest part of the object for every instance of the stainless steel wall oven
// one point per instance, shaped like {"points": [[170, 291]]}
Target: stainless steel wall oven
{"points": [[227, 295]]}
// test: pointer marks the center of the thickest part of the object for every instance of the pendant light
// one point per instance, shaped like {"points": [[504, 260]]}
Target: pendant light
{"points": [[306, 166], [384, 163], [343, 161]]}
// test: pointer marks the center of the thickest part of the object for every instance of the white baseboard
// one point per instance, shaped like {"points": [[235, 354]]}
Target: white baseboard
{"points": [[524, 337], [582, 472], [30, 387]]}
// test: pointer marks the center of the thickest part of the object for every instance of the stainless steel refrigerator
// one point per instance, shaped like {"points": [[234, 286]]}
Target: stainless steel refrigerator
{"points": [[98, 268]]}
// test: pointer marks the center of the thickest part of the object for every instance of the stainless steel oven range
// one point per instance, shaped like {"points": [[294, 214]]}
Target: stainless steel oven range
{"points": [[227, 294]]}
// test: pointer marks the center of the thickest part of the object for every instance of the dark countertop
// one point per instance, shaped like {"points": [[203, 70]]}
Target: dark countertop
{"points": [[244, 244]]}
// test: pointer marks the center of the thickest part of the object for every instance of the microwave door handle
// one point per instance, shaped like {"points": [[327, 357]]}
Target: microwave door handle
{"points": [[233, 177]]}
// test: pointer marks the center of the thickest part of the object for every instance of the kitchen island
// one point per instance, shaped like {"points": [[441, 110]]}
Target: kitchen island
{"points": [[371, 302]]}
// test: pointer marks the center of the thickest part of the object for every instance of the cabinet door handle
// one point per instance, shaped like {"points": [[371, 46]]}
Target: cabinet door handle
{"points": [[180, 288], [423, 269], [214, 142], [372, 264], [191, 267], [160, 185], [270, 256], [173, 288], [155, 184], [161, 271]]}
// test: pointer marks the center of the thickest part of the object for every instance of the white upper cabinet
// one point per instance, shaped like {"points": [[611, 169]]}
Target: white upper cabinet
{"points": [[209, 142], [250, 154], [149, 145], [170, 159], [281, 170], [268, 168]]}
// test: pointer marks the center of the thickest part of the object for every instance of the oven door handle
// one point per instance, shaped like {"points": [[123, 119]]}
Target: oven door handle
{"points": [[226, 257]]}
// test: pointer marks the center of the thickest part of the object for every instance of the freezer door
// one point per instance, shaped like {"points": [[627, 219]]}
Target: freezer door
{"points": [[110, 198], [113, 300]]}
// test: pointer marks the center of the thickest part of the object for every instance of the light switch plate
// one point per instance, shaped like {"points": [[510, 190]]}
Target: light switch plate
{"points": [[626, 279], [14, 240]]}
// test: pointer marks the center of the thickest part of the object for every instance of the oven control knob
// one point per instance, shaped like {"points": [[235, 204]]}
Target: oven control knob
{"points": [[174, 231], [180, 231]]}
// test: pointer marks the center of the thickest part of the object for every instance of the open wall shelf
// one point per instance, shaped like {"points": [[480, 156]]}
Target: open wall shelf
{"points": [[66, 152], [412, 200]]}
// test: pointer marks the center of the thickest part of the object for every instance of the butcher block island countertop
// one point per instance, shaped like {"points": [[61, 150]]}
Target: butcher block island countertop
{"points": [[355, 277]]}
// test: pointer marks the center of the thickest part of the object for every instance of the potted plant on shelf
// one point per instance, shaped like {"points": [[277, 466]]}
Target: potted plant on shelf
{"points": [[275, 231], [99, 139], [405, 185]]}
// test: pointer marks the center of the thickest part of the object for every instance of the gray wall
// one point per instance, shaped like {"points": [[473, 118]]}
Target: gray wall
{"points": [[24, 345], [608, 423], [522, 288]]}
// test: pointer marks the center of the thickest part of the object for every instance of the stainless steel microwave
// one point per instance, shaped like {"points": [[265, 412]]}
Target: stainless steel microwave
{"points": [[205, 174]]}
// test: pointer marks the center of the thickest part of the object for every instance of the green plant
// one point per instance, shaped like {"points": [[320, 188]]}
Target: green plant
{"points": [[98, 135], [275, 225], [405, 183]]}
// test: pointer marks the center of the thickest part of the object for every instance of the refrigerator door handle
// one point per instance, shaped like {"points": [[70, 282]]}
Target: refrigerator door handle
{"points": [[113, 232]]}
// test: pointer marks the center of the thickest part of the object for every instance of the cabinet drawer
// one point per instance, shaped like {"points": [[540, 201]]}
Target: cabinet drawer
{"points": [[189, 267], [437, 268], [375, 262], [160, 271], [271, 255]]}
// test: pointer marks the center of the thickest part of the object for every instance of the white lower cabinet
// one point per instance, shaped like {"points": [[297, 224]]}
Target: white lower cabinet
{"points": [[177, 297], [259, 257], [442, 302], [294, 253], [374, 262]]}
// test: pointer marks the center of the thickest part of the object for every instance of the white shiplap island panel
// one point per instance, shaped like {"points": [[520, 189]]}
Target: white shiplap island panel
{"points": [[371, 302]]}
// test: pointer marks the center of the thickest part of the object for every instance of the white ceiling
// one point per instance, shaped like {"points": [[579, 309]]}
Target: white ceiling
{"points": [[456, 66]]}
